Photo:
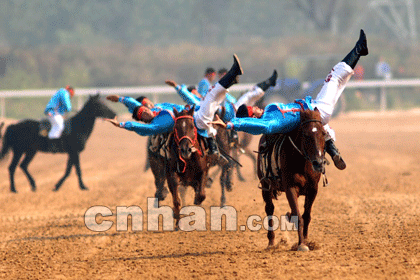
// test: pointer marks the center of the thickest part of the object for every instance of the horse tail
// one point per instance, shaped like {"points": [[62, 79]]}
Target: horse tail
{"points": [[7, 140]]}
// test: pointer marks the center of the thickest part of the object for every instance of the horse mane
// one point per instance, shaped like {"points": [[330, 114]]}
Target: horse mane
{"points": [[309, 115]]}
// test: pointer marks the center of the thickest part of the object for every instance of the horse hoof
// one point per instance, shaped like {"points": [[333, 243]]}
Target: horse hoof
{"points": [[303, 248], [84, 188], [270, 247], [13, 191]]}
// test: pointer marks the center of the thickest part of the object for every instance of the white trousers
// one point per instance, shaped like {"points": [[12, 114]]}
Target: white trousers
{"points": [[57, 126], [330, 133], [208, 107], [333, 86], [250, 98]]}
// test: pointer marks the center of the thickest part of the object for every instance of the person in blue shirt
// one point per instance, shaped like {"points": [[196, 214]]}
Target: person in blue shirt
{"points": [[205, 84], [162, 121], [58, 105], [283, 118]]}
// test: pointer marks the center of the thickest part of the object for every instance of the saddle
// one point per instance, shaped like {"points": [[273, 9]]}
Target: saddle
{"points": [[269, 150], [45, 127], [158, 144]]}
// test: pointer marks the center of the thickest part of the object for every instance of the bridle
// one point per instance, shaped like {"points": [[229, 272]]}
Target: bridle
{"points": [[179, 139], [304, 153]]}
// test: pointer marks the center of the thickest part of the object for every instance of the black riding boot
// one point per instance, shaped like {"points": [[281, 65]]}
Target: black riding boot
{"points": [[212, 145], [233, 138], [335, 154], [231, 76], [359, 50], [270, 82]]}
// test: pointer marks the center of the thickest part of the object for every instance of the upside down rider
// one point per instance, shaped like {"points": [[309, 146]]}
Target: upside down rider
{"points": [[283, 118]]}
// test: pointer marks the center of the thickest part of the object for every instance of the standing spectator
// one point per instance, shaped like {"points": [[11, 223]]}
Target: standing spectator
{"points": [[205, 84], [383, 70]]}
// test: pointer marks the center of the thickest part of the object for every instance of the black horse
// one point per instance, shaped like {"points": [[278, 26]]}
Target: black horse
{"points": [[24, 139]]}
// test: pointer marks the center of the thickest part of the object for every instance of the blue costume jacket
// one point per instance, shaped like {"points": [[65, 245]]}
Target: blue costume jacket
{"points": [[132, 104], [59, 103], [277, 118], [163, 121], [229, 104], [203, 87]]}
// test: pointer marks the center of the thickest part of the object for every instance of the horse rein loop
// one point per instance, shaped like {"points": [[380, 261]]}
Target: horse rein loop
{"points": [[177, 139]]}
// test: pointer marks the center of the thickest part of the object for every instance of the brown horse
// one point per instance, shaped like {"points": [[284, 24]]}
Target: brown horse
{"points": [[188, 162], [157, 160], [293, 163], [242, 147]]}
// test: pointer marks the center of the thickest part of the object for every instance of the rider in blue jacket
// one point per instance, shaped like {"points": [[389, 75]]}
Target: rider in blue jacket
{"points": [[283, 118], [58, 105]]}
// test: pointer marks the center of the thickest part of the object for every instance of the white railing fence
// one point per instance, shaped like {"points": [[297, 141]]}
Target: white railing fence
{"points": [[155, 91]]}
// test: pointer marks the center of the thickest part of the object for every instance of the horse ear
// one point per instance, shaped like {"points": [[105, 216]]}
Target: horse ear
{"points": [[176, 113], [191, 110], [316, 109]]}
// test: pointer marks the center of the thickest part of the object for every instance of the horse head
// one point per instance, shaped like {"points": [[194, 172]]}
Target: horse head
{"points": [[98, 108], [185, 133], [312, 144]]}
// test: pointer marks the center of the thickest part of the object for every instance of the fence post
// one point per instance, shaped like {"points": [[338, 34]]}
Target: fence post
{"points": [[3, 107], [382, 101]]}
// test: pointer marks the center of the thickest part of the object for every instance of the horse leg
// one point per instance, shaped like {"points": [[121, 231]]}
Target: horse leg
{"points": [[212, 176], [76, 162], [66, 174], [173, 184], [269, 210], [182, 193], [309, 200], [200, 190], [161, 191], [238, 168], [24, 166], [158, 169], [12, 168], [292, 197], [225, 182]]}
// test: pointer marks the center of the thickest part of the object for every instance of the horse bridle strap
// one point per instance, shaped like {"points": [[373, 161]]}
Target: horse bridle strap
{"points": [[309, 121], [293, 143], [185, 136], [178, 140]]}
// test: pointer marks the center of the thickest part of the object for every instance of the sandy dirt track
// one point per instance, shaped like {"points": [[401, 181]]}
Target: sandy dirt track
{"points": [[365, 223]]}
